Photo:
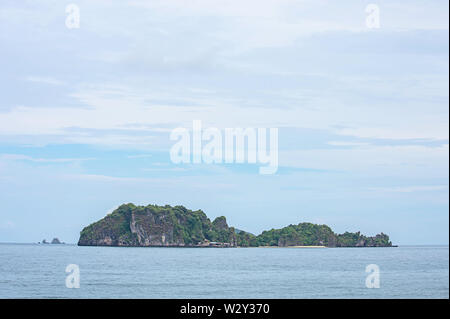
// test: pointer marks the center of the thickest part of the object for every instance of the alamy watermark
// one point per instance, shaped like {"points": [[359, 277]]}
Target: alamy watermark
{"points": [[73, 16], [233, 145], [73, 277], [373, 16], [373, 277]]}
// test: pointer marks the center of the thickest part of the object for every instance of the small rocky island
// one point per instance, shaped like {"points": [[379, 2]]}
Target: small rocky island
{"points": [[55, 241], [167, 226]]}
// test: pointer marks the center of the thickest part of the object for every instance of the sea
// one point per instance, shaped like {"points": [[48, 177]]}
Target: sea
{"points": [[55, 271]]}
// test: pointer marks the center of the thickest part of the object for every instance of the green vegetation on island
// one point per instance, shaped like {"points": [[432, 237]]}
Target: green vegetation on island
{"points": [[167, 226]]}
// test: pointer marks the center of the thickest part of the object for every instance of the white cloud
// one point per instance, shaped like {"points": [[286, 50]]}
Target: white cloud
{"points": [[341, 143], [44, 80], [20, 157], [421, 161], [177, 61], [410, 189], [140, 156]]}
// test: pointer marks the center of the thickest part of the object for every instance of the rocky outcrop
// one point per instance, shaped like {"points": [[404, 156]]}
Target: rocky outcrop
{"points": [[308, 234], [167, 226], [160, 226], [56, 241], [357, 240]]}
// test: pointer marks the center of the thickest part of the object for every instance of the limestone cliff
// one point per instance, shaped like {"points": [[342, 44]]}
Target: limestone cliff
{"points": [[152, 225]]}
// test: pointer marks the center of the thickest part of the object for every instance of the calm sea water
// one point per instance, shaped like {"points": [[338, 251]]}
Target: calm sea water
{"points": [[38, 271]]}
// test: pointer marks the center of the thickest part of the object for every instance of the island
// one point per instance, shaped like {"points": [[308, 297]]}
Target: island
{"points": [[166, 226], [55, 241]]}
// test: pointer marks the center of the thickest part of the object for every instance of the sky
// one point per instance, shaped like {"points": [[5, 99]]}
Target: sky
{"points": [[362, 113]]}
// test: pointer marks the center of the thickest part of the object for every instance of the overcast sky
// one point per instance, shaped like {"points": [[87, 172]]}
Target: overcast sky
{"points": [[362, 113]]}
